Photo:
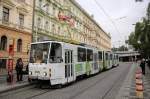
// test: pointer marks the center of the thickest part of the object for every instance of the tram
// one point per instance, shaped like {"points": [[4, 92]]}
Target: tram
{"points": [[61, 63]]}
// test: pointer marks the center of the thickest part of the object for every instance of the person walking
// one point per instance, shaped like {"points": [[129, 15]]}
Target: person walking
{"points": [[142, 65], [19, 67]]}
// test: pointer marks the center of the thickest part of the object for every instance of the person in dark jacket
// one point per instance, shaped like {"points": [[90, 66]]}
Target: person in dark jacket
{"points": [[142, 65], [19, 67]]}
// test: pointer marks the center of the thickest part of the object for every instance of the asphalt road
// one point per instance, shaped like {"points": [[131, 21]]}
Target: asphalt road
{"points": [[105, 85]]}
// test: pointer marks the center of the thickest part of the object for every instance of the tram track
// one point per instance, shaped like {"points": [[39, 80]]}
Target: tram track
{"points": [[114, 84], [38, 94], [98, 81], [38, 91], [73, 91], [19, 92], [16, 91]]}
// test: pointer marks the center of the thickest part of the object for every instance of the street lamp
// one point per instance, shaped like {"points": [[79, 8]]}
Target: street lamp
{"points": [[139, 42]]}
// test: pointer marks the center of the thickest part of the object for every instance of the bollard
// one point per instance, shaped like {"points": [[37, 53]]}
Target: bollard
{"points": [[138, 76], [139, 84], [139, 91]]}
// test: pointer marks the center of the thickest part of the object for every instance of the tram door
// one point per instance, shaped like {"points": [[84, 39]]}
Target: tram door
{"points": [[69, 65]]}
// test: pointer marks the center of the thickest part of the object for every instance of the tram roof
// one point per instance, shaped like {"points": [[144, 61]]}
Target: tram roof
{"points": [[79, 45]]}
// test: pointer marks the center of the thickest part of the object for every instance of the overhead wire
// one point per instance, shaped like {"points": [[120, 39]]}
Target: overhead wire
{"points": [[99, 5]]}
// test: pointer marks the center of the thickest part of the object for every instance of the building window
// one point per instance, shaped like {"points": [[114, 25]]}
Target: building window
{"points": [[53, 28], [5, 14], [19, 45], [46, 25], [21, 20], [3, 43], [59, 30], [40, 3], [47, 8], [54, 11], [3, 63], [39, 23]]}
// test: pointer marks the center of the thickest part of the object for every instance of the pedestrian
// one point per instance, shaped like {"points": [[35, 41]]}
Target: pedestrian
{"points": [[142, 65], [19, 67]]}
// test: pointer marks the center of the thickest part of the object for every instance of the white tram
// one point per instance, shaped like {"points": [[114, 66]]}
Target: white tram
{"points": [[61, 63]]}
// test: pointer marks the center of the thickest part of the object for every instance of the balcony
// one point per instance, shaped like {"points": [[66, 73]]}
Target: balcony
{"points": [[14, 26]]}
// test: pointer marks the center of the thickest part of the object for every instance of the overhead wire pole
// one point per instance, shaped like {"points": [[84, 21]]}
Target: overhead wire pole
{"points": [[99, 5]]}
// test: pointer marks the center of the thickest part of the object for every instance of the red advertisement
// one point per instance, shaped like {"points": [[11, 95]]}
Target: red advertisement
{"points": [[10, 64]]}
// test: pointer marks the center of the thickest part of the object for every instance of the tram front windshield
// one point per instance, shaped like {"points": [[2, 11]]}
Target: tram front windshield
{"points": [[39, 52], [55, 53]]}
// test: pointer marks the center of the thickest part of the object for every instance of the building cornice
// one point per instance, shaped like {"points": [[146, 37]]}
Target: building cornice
{"points": [[7, 3], [14, 29]]}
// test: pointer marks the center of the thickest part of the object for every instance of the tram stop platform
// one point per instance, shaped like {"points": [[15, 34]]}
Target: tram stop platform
{"points": [[7, 86], [136, 87]]}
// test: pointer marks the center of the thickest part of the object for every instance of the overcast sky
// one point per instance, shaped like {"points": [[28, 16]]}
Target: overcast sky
{"points": [[124, 13]]}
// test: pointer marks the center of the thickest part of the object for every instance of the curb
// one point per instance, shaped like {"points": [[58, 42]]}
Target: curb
{"points": [[11, 88]]}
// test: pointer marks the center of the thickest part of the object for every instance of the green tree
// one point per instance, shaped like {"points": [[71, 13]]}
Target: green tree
{"points": [[140, 38]]}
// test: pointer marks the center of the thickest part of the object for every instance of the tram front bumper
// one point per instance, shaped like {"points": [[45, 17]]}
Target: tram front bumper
{"points": [[33, 77], [43, 78]]}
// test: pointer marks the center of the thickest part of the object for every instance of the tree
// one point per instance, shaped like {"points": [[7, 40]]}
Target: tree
{"points": [[140, 38]]}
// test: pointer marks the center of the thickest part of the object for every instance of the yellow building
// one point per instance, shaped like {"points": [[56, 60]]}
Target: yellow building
{"points": [[66, 20], [15, 26]]}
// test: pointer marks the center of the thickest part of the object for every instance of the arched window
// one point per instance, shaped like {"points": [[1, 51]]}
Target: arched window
{"points": [[19, 45], [3, 44]]}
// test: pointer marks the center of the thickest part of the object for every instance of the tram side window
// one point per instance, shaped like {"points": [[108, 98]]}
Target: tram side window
{"points": [[110, 56], [100, 56], [55, 53], [89, 55], [81, 54], [106, 54], [117, 57]]}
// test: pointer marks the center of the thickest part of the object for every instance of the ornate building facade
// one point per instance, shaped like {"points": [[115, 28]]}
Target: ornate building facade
{"points": [[66, 20], [15, 29], [26, 21]]}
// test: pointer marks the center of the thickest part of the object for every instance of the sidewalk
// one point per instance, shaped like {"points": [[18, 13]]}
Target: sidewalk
{"points": [[128, 89], [146, 82], [5, 86]]}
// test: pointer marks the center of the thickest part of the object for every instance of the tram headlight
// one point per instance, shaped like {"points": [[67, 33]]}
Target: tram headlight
{"points": [[45, 74], [30, 72]]}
